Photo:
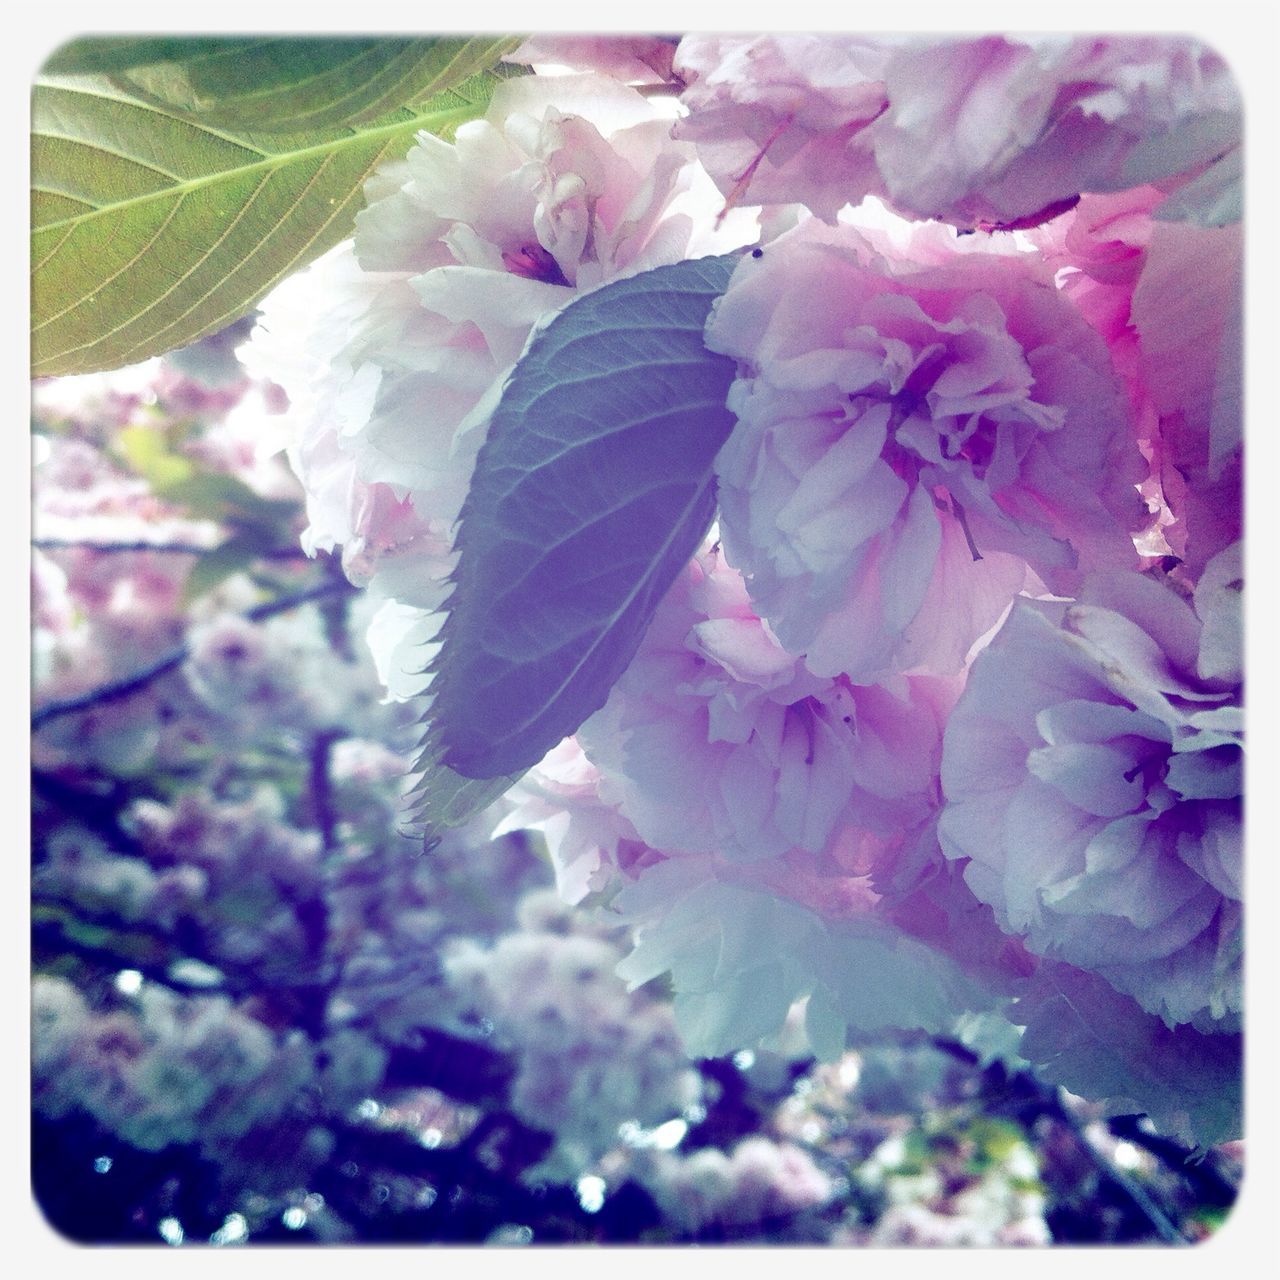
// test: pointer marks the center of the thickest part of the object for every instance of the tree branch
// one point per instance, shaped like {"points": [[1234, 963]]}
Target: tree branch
{"points": [[114, 690], [1210, 1182], [320, 787], [1047, 1100], [170, 548], [1133, 1191]]}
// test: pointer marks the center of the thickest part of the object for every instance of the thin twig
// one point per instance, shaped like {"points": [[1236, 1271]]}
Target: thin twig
{"points": [[1130, 1187], [1047, 1100], [321, 787], [167, 548], [1205, 1174], [114, 690]]}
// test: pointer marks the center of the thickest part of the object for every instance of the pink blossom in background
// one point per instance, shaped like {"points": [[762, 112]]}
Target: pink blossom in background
{"points": [[759, 1178], [95, 404], [1093, 776], [912, 439]]}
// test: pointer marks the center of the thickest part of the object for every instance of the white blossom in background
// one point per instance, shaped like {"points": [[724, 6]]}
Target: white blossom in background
{"points": [[757, 1181], [590, 1057]]}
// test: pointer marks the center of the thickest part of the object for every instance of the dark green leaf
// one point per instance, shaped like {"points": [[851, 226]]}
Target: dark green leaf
{"points": [[443, 798], [283, 83], [592, 491]]}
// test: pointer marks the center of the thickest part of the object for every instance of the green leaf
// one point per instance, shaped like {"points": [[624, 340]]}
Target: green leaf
{"points": [[90, 55], [210, 495], [283, 83], [592, 491], [150, 230], [215, 496], [147, 452], [217, 565]]}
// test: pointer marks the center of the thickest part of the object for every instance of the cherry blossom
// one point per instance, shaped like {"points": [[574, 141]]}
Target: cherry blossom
{"points": [[911, 440], [717, 740], [1093, 774], [996, 131], [633, 59]]}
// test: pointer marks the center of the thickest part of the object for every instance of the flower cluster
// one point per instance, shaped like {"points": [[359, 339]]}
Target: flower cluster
{"points": [[258, 1009], [987, 130], [914, 435], [757, 1181], [952, 693], [1094, 772], [165, 1069], [591, 1057]]}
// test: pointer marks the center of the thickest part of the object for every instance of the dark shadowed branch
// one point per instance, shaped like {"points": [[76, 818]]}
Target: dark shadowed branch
{"points": [[114, 690], [164, 548]]}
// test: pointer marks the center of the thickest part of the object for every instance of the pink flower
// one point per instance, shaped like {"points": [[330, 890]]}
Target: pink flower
{"points": [[1166, 296], [1092, 770], [910, 439], [567, 183], [1187, 313], [989, 130], [632, 59], [998, 129], [301, 342], [718, 741], [780, 119], [1097, 251], [587, 840]]}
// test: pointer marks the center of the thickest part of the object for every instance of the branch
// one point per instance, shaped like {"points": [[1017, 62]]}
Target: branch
{"points": [[321, 787], [1133, 1191], [1205, 1174], [114, 690], [170, 548], [1047, 1100]]}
